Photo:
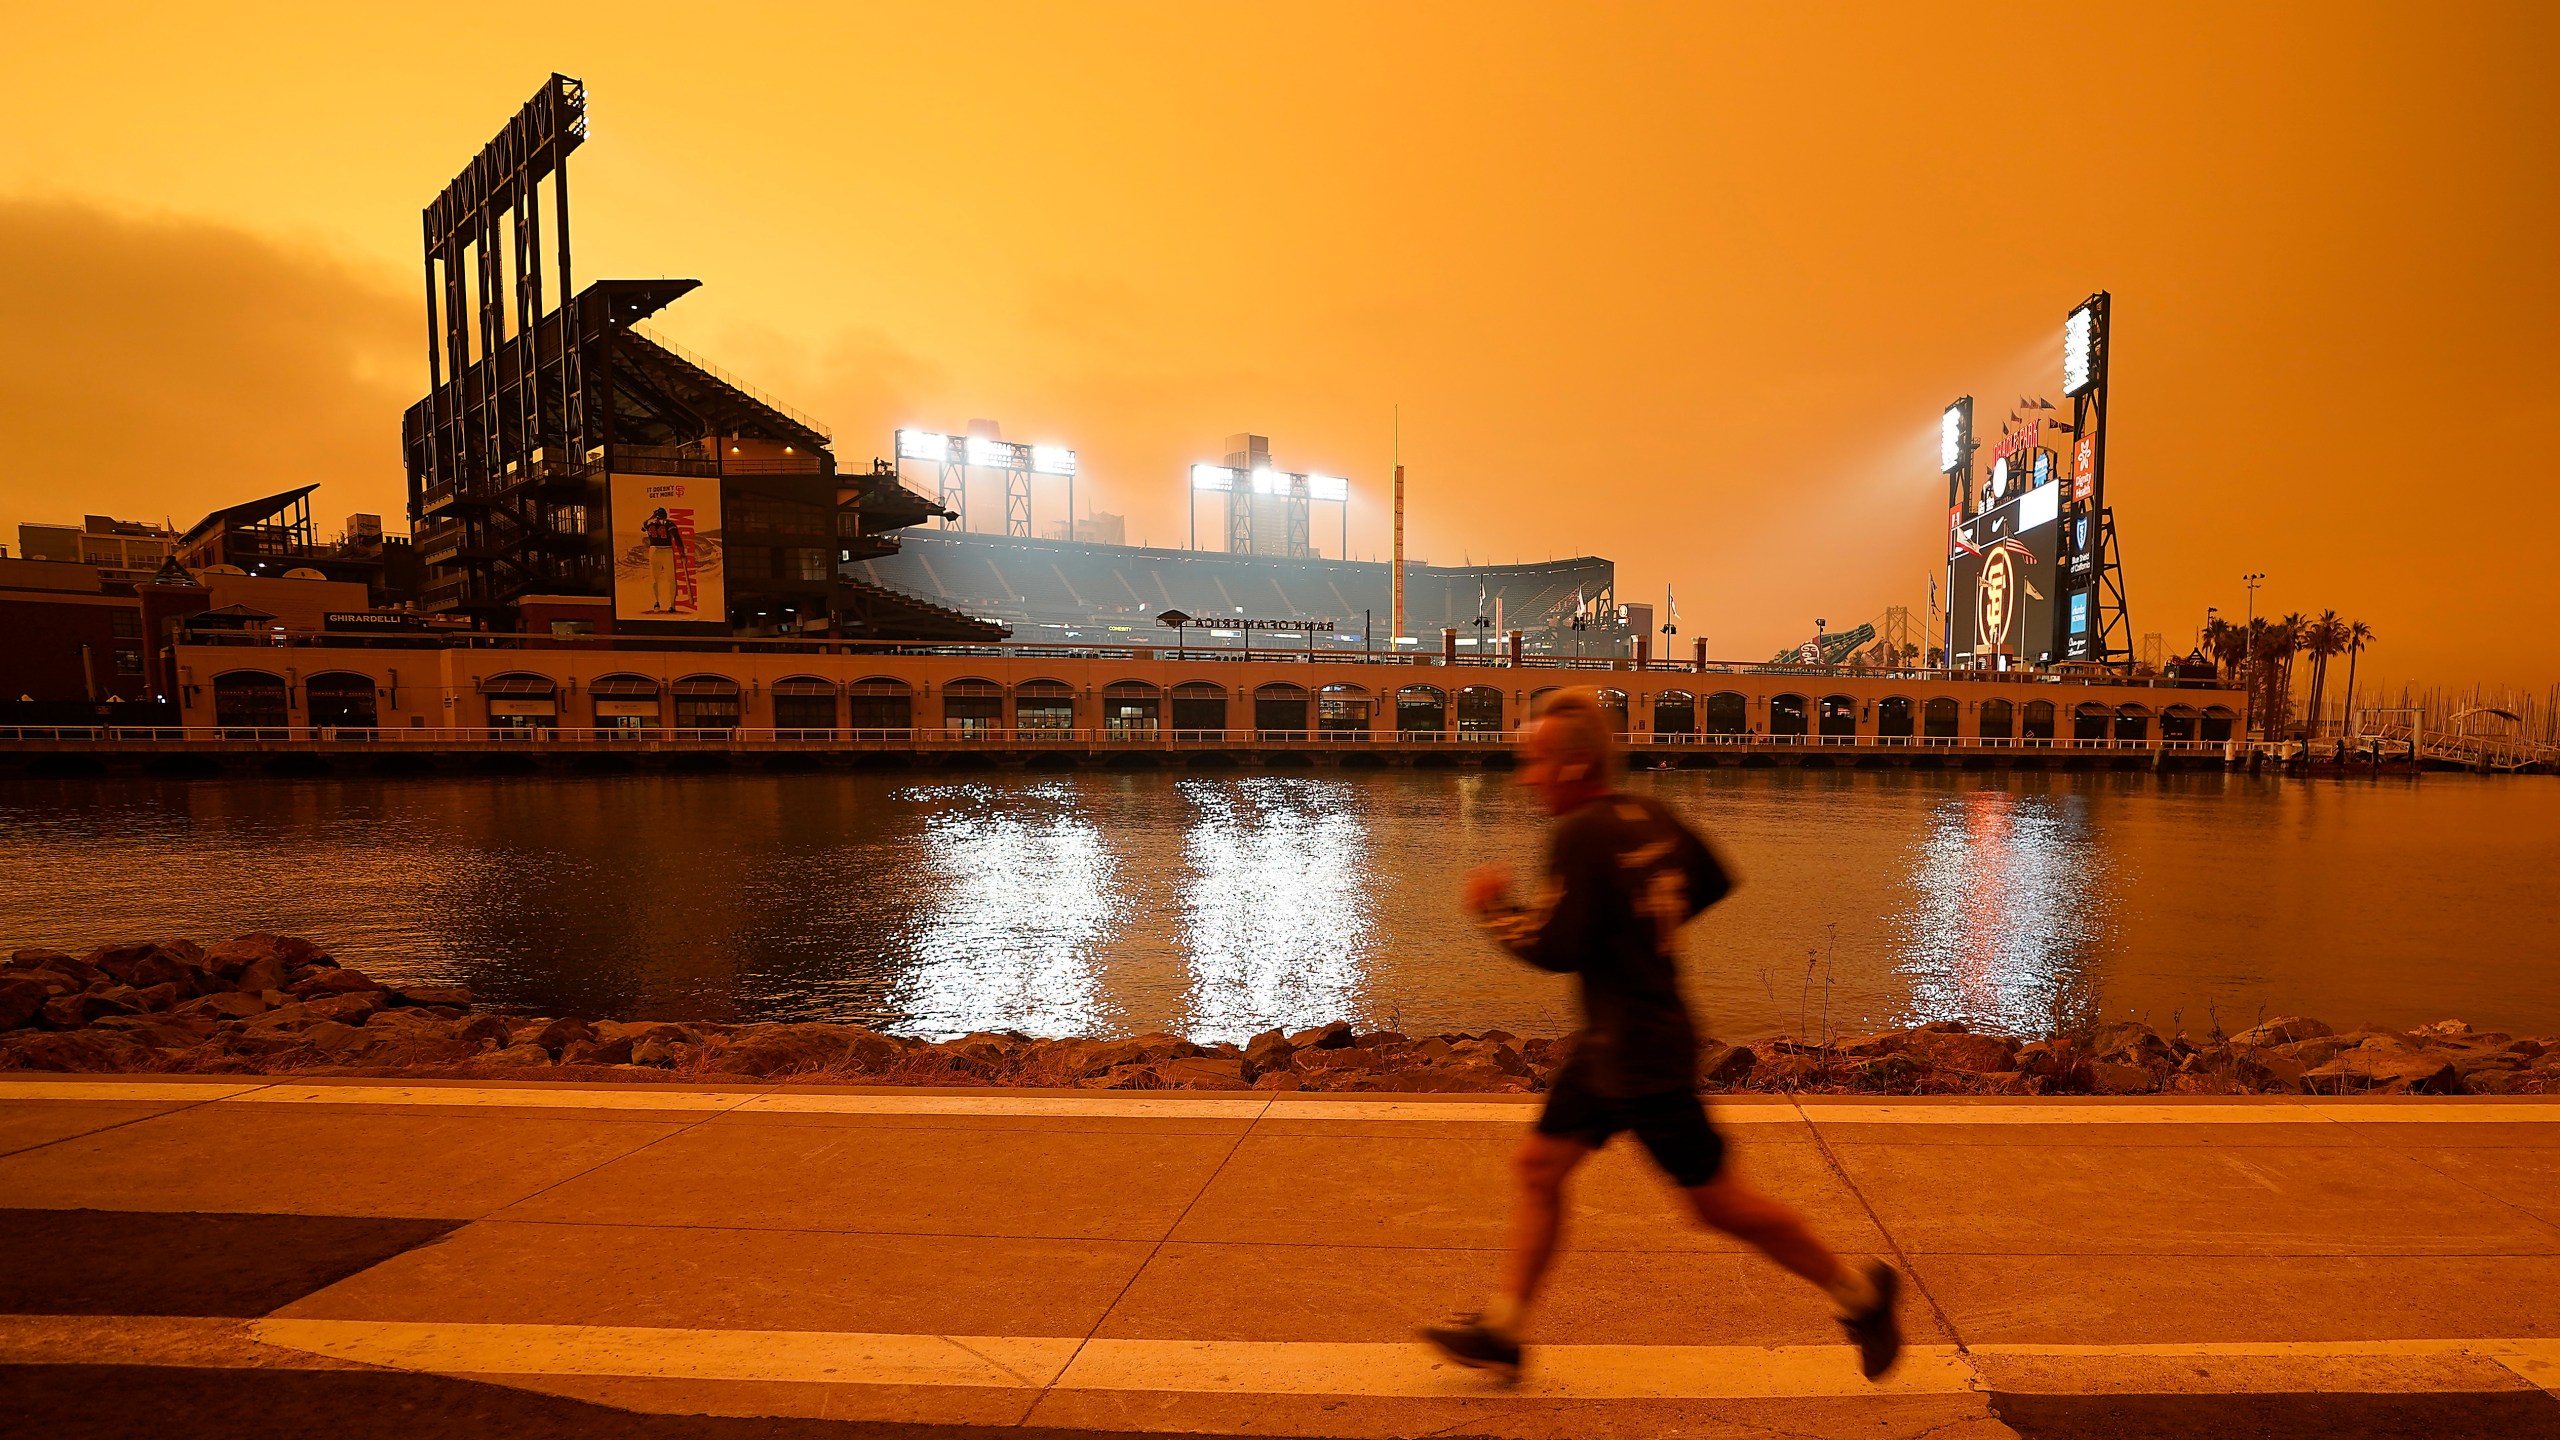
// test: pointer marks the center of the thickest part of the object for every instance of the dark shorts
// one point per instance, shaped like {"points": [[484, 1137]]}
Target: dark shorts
{"points": [[1672, 1127]]}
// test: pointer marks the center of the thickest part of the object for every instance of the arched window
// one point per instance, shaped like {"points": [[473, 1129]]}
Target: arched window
{"points": [[1893, 717], [1343, 710], [340, 699], [248, 702], [1996, 720], [1786, 715], [804, 708], [521, 700], [1422, 710], [625, 703], [1938, 718], [880, 707], [1044, 707], [973, 707], [2178, 722], [1729, 713], [2035, 720], [2133, 724], [1132, 710], [1199, 710], [1613, 703], [2089, 722], [1479, 710], [1839, 718], [2215, 726], [706, 702], [1675, 714], [1280, 711]]}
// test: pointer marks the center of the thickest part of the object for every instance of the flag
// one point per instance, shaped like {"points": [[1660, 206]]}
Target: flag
{"points": [[1671, 603]]}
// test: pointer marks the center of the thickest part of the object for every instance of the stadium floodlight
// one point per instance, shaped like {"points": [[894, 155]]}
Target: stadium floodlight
{"points": [[2000, 478], [1053, 460], [2084, 345], [983, 451], [1328, 487], [1955, 436], [924, 445], [1267, 481], [1212, 477]]}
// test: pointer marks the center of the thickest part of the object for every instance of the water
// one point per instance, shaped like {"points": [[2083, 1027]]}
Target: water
{"points": [[1216, 907]]}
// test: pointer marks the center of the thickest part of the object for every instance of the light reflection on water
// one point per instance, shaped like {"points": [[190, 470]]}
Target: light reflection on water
{"points": [[1112, 903], [2006, 912], [1277, 916]]}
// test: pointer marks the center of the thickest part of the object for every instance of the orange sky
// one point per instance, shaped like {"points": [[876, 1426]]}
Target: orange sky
{"points": [[1682, 285]]}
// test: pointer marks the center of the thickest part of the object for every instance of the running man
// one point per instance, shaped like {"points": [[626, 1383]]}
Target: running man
{"points": [[1623, 875]]}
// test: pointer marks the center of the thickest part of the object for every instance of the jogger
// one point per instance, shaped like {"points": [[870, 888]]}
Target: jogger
{"points": [[1623, 875]]}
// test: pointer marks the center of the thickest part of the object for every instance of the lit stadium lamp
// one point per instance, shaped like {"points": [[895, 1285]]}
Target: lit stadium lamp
{"points": [[1053, 460], [2084, 345], [1270, 482], [1328, 487], [1212, 477], [1955, 436], [924, 445], [983, 451]]}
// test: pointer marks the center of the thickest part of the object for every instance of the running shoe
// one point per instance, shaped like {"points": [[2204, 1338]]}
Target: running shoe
{"points": [[1466, 1339], [1875, 1329]]}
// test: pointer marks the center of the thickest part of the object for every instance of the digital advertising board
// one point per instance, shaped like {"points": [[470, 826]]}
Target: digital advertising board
{"points": [[2007, 566], [666, 549]]}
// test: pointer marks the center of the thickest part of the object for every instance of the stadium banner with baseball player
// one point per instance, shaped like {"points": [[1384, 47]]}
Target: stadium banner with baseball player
{"points": [[666, 549]]}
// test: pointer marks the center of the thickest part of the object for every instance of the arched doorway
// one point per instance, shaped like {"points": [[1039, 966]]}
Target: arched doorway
{"points": [[1422, 712], [1787, 716], [880, 707], [1343, 710], [340, 700], [1043, 708], [523, 702], [2178, 724], [1280, 711], [804, 708], [250, 705], [1729, 713], [2035, 721], [973, 708], [1893, 717], [1199, 711], [2089, 723], [2215, 725], [1613, 704], [1996, 720], [1838, 719], [625, 704], [1479, 710], [1675, 716], [1132, 710], [707, 703], [1938, 718], [2133, 725]]}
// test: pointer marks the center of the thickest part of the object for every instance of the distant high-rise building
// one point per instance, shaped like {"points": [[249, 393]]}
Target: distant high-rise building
{"points": [[120, 549]]}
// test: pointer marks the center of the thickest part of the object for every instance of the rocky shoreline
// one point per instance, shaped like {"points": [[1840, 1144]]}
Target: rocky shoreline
{"points": [[280, 1004]]}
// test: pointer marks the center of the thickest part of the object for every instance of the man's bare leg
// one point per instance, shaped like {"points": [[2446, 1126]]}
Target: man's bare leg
{"points": [[1541, 1166], [1866, 1296]]}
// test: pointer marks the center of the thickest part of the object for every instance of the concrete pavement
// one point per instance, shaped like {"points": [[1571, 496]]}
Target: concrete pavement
{"points": [[358, 1257]]}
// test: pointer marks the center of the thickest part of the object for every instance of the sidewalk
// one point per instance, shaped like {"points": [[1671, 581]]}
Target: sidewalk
{"points": [[1250, 1265]]}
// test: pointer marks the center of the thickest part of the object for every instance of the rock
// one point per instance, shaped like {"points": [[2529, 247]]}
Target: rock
{"points": [[429, 995], [155, 1031], [1328, 1058], [1434, 1049], [338, 1038], [21, 1001], [159, 997], [224, 1005], [1267, 1052], [764, 1050], [2046, 1059], [73, 1051], [2384, 1061], [481, 1031], [1134, 1077], [403, 1046], [2130, 1042], [662, 1051], [1336, 1036], [1790, 1071], [70, 1012], [518, 1057], [2282, 1030], [349, 1008], [37, 958], [1494, 1053], [2110, 1077], [1278, 1080], [1722, 1064], [1443, 1080], [330, 982], [1962, 1050], [1202, 1072], [560, 1034], [616, 1051], [2318, 1050]]}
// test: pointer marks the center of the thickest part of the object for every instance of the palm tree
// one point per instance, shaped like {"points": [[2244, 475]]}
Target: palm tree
{"points": [[2321, 639], [2357, 636]]}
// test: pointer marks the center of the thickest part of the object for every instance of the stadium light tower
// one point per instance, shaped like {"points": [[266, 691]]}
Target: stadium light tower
{"points": [[2090, 620], [953, 456], [1241, 485]]}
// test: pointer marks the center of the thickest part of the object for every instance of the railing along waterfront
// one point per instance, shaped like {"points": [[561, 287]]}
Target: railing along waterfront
{"points": [[1133, 738], [1138, 650]]}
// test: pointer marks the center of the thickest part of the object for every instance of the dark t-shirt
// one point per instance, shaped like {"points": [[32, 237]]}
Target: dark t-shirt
{"points": [[1623, 875]]}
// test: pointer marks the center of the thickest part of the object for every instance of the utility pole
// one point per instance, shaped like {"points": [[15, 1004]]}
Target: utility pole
{"points": [[1395, 617], [2249, 660]]}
